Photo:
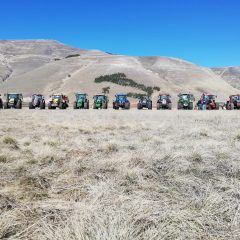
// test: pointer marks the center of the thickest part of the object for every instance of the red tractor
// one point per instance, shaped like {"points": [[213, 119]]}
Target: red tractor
{"points": [[208, 102], [233, 102]]}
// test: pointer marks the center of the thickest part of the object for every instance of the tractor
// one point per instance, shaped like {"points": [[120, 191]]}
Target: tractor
{"points": [[121, 101], [81, 101], [1, 102], [13, 100], [208, 102], [233, 102], [58, 101], [186, 101], [145, 102], [164, 101], [100, 102], [37, 101]]}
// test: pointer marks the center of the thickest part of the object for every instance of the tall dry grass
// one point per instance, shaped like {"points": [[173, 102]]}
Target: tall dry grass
{"points": [[119, 175]]}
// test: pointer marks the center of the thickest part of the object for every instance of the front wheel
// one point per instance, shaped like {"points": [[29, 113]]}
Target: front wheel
{"points": [[158, 106], [31, 105], [19, 104]]}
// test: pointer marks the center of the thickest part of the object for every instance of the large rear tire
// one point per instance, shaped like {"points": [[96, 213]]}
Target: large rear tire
{"points": [[105, 106], [42, 105], [1, 104], [31, 105], [127, 105], [190, 106], [19, 104], [150, 106], [180, 106], [169, 106], [5, 105], [217, 106], [86, 105], [139, 106]]}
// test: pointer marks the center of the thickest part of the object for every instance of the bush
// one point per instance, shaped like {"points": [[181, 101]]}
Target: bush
{"points": [[73, 55], [121, 79]]}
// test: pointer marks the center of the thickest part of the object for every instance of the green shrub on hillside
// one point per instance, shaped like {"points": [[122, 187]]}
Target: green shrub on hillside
{"points": [[121, 79]]}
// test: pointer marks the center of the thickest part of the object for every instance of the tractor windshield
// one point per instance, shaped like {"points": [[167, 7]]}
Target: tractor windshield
{"points": [[184, 97], [80, 96], [162, 97], [100, 98], [12, 95], [56, 96], [121, 97], [210, 97], [236, 98]]}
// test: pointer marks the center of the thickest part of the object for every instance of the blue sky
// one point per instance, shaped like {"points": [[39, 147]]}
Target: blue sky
{"points": [[206, 32]]}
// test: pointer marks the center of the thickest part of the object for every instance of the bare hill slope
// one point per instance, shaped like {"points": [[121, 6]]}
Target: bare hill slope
{"points": [[48, 66], [230, 75]]}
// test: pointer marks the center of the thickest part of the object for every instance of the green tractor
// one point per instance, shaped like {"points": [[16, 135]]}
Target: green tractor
{"points": [[13, 100], [100, 102], [81, 101], [186, 101]]}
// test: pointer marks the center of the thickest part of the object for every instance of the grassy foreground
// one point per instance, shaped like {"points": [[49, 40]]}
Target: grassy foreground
{"points": [[119, 175]]}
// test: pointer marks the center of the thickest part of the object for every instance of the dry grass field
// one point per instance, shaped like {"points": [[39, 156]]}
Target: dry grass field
{"points": [[119, 175]]}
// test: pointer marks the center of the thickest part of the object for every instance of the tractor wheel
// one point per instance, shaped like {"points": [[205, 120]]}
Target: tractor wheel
{"points": [[1, 104], [19, 104], [94, 106], [231, 106], [158, 106], [5, 105], [50, 106], [150, 106], [139, 106], [42, 105], [31, 105], [86, 105], [127, 105], [105, 106], [169, 106], [180, 106], [217, 106], [190, 107], [75, 105], [61, 105]]}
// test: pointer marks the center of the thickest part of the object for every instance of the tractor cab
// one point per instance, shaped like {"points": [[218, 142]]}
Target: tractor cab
{"points": [[100, 98], [145, 102], [233, 102], [164, 101], [100, 101], [81, 101], [13, 100], [185, 101], [81, 97], [121, 101], [58, 101], [121, 97]]}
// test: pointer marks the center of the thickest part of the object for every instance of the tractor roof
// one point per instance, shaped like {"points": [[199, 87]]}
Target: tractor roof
{"points": [[209, 94], [185, 94], [164, 94], [121, 94], [81, 94], [100, 95], [234, 95]]}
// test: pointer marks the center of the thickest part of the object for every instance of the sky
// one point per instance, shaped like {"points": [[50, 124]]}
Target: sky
{"points": [[205, 32]]}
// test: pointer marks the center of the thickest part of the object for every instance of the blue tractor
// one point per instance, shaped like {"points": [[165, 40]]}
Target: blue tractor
{"points": [[121, 101]]}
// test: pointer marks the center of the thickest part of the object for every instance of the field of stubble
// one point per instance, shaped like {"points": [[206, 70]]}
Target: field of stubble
{"points": [[122, 175]]}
